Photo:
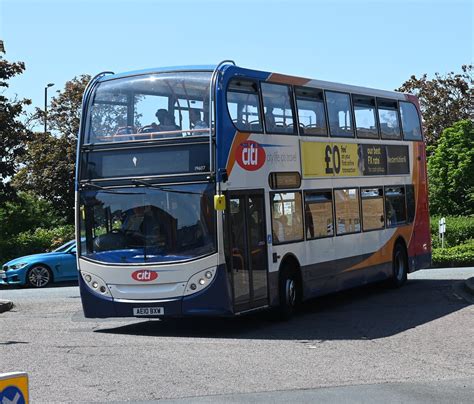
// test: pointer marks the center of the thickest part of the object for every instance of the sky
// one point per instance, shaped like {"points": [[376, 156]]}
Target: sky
{"points": [[371, 43]]}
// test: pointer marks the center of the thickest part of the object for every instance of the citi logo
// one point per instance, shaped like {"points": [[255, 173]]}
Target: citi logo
{"points": [[250, 155], [144, 275]]}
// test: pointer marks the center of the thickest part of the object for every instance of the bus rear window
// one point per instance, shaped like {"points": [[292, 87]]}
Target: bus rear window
{"points": [[410, 121]]}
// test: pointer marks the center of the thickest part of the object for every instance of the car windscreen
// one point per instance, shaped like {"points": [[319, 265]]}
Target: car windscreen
{"points": [[65, 247]]}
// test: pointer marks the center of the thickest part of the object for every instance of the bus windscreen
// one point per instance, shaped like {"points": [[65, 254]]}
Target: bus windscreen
{"points": [[148, 224], [151, 106]]}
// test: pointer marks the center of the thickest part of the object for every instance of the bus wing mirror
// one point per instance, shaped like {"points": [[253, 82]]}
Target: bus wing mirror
{"points": [[219, 202]]}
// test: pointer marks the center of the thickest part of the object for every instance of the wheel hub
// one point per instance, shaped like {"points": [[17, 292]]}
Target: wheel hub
{"points": [[39, 277], [291, 291]]}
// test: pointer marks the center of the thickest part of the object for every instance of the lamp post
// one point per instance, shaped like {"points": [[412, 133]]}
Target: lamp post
{"points": [[46, 105]]}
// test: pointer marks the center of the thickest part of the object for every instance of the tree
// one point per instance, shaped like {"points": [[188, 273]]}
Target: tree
{"points": [[13, 134], [48, 167], [26, 213], [450, 171], [64, 114], [444, 100], [48, 171]]}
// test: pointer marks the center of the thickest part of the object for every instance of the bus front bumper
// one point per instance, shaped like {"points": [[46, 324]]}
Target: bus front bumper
{"points": [[215, 300]]}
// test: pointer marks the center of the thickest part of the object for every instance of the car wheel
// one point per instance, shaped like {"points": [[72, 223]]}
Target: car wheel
{"points": [[39, 276], [289, 292], [399, 266]]}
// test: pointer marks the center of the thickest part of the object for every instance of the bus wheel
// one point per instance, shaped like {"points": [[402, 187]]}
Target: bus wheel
{"points": [[399, 266], [289, 292]]}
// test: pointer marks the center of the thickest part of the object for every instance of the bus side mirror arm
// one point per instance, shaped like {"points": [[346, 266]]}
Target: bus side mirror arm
{"points": [[222, 175]]}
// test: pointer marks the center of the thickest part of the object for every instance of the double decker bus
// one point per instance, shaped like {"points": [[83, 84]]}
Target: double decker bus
{"points": [[219, 190]]}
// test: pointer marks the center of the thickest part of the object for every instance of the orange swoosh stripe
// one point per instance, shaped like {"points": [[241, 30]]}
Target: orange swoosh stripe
{"points": [[238, 139]]}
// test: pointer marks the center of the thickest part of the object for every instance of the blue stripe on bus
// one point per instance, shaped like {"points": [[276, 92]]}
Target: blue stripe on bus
{"points": [[225, 127]]}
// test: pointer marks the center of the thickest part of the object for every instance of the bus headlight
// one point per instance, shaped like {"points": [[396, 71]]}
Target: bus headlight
{"points": [[200, 281], [97, 284]]}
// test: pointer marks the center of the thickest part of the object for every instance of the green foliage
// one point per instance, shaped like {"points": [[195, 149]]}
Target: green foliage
{"points": [[13, 134], [29, 225], [33, 242], [25, 213], [450, 171], [458, 230], [48, 171], [48, 166], [65, 112], [444, 99], [458, 256]]}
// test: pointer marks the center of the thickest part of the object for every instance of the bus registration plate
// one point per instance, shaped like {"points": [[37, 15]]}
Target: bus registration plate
{"points": [[148, 311]]}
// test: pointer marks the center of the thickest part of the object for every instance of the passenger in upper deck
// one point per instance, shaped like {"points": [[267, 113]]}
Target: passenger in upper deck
{"points": [[195, 119], [166, 121], [165, 124], [270, 123]]}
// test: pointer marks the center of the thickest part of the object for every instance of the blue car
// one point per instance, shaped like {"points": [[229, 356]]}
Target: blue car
{"points": [[39, 270]]}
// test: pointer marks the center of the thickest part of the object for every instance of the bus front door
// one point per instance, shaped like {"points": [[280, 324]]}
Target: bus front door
{"points": [[248, 250]]}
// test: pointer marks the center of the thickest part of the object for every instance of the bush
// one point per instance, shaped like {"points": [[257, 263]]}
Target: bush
{"points": [[27, 212], [459, 230], [459, 256], [33, 242]]}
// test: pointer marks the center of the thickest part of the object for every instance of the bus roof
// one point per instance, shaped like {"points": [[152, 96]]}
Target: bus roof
{"points": [[159, 70], [271, 77]]}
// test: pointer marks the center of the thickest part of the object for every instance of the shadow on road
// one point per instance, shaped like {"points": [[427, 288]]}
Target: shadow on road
{"points": [[369, 312], [50, 286]]}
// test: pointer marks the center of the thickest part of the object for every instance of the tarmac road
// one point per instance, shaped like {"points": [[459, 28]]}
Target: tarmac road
{"points": [[372, 344]]}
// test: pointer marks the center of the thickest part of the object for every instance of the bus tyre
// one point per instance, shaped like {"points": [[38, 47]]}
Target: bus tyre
{"points": [[289, 292], [399, 266], [39, 276]]}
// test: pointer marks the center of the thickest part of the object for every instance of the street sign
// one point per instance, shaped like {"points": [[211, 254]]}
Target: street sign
{"points": [[442, 229], [14, 388], [442, 225]]}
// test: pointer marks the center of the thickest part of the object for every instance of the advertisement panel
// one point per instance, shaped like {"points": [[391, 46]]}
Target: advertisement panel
{"points": [[329, 159]]}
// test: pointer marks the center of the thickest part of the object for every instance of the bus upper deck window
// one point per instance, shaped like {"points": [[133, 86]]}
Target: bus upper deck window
{"points": [[311, 111], [277, 103], [149, 106], [339, 113], [410, 121], [388, 118], [244, 105], [364, 113]]}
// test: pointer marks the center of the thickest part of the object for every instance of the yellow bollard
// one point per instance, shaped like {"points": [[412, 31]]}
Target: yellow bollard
{"points": [[14, 388]]}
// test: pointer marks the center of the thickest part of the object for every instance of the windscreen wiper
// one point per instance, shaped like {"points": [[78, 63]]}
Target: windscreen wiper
{"points": [[108, 190], [161, 188]]}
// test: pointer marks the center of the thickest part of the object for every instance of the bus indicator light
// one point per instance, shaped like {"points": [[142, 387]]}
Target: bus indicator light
{"points": [[250, 155], [144, 275]]}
